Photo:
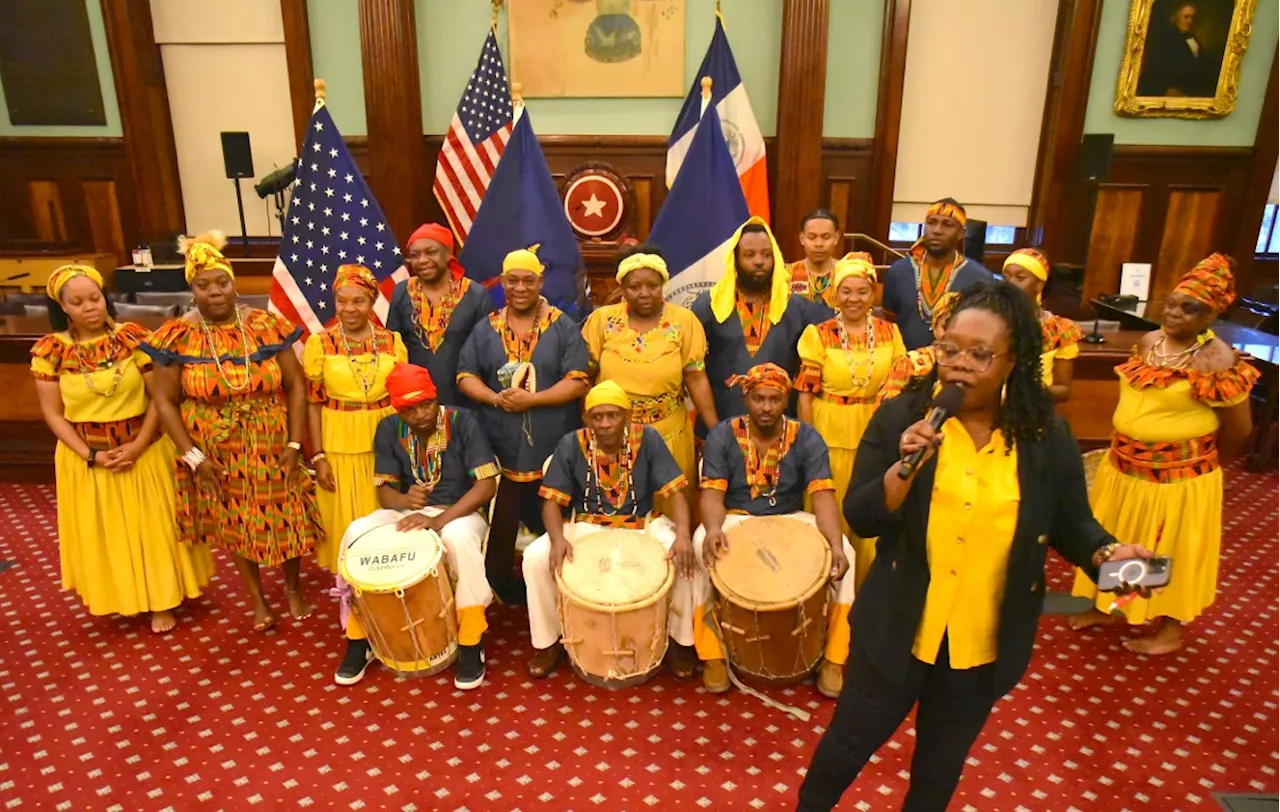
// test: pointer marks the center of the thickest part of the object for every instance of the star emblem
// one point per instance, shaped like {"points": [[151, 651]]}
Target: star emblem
{"points": [[593, 206]]}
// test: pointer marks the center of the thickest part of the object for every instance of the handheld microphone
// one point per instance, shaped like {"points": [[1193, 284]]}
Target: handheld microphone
{"points": [[945, 404]]}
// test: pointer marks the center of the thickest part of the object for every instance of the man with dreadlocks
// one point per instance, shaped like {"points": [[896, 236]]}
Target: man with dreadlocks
{"points": [[609, 474], [947, 616]]}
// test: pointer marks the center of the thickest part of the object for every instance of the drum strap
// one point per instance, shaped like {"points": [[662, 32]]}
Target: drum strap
{"points": [[714, 625]]}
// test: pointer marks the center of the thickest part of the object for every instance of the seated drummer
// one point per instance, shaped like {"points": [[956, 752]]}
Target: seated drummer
{"points": [[609, 474], [434, 469], [764, 464]]}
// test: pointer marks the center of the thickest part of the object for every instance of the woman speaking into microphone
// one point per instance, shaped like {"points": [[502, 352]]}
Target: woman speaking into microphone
{"points": [[947, 615]]}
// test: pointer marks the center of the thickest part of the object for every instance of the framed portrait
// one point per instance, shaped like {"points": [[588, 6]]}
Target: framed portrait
{"points": [[597, 48], [1182, 57]]}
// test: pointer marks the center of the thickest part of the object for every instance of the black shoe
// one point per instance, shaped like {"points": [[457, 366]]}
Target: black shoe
{"points": [[353, 666], [468, 671], [510, 590]]}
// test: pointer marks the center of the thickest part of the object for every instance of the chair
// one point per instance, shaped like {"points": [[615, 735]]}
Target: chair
{"points": [[1092, 461], [38, 311], [128, 312], [169, 300]]}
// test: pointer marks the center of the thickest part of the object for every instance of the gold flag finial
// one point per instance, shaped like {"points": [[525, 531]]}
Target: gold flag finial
{"points": [[497, 4], [320, 91], [517, 93], [706, 87]]}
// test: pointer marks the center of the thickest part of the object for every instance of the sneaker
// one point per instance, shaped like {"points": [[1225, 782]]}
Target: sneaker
{"points": [[353, 666], [468, 672]]}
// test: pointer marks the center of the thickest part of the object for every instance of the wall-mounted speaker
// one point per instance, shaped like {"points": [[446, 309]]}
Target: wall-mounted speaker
{"points": [[1095, 156], [975, 240]]}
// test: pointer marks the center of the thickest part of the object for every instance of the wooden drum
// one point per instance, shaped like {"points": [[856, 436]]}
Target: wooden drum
{"points": [[614, 596], [403, 598], [772, 598]]}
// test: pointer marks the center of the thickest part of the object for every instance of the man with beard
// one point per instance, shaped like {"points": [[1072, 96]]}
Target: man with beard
{"points": [[750, 316], [436, 308], [915, 284]]}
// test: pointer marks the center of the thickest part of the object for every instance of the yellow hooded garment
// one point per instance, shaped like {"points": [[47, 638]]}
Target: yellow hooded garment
{"points": [[723, 292]]}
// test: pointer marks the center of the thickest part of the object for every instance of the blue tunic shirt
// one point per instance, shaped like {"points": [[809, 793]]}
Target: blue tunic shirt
{"points": [[654, 473], [472, 307], [463, 453], [760, 489], [900, 294]]}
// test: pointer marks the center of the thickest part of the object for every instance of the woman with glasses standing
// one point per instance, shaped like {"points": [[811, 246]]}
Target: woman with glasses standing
{"points": [[947, 616]]}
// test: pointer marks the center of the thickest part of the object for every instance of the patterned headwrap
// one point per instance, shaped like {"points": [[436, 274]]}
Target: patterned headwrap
{"points": [[635, 262], [59, 278], [409, 385], [760, 375], [356, 276], [524, 259], [1031, 261], [442, 235], [944, 308], [607, 393], [1211, 282], [724, 291], [854, 265], [204, 253], [948, 208]]}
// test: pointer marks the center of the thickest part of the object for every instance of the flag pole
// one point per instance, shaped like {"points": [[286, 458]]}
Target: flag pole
{"points": [[706, 95], [517, 102], [493, 21], [320, 94]]}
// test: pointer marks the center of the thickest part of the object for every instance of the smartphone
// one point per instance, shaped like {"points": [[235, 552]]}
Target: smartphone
{"points": [[1149, 572]]}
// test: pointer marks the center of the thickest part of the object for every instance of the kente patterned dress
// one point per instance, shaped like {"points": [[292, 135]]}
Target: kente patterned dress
{"points": [[555, 348], [650, 367], [434, 335], [116, 538], [1161, 484], [1061, 342], [238, 417], [348, 379], [845, 374], [814, 287]]}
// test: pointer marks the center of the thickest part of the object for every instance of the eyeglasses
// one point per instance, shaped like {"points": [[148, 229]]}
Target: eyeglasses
{"points": [[980, 358]]}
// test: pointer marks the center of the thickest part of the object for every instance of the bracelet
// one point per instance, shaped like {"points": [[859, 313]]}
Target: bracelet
{"points": [[193, 457], [293, 444], [1103, 554], [319, 455], [89, 460]]}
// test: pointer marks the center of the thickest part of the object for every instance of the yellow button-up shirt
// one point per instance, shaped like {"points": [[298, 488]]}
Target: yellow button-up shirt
{"points": [[972, 518]]}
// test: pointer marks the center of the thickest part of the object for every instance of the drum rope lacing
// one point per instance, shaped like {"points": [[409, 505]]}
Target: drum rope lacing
{"points": [[791, 710], [803, 621]]}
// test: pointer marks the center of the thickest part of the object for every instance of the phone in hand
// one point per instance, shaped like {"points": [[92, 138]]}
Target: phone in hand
{"points": [[1148, 572]]}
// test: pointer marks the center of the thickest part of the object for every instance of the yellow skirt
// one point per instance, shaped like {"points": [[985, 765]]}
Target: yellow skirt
{"points": [[117, 535], [864, 550], [354, 496], [677, 433], [1182, 520]]}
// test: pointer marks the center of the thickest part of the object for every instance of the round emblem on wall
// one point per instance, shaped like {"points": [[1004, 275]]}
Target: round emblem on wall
{"points": [[595, 202]]}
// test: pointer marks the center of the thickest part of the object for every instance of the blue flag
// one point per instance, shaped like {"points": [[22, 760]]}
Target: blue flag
{"points": [[521, 208], [700, 214]]}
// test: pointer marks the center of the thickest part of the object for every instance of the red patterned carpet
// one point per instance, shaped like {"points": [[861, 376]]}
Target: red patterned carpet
{"points": [[97, 713]]}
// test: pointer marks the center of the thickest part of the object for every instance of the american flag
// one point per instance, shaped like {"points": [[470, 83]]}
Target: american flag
{"points": [[477, 135], [332, 220]]}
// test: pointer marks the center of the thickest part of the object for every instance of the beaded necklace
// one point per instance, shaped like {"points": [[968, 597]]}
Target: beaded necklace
{"points": [[431, 333], [515, 353], [755, 461], [217, 356], [367, 376], [427, 463], [1156, 356], [114, 348], [926, 308], [603, 506], [870, 339]]}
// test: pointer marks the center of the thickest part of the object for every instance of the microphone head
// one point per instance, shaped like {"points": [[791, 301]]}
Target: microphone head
{"points": [[949, 399]]}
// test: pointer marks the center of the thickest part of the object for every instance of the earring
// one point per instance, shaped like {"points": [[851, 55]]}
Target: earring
{"points": [[1004, 391]]}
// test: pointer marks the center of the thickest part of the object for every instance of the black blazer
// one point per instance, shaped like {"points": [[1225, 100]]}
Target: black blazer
{"points": [[1054, 509]]}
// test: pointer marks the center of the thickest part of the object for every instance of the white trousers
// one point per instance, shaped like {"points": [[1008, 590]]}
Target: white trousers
{"points": [[463, 540], [544, 614]]}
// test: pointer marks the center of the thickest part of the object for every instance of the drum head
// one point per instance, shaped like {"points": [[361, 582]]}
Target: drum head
{"points": [[384, 559], [772, 560], [615, 568]]}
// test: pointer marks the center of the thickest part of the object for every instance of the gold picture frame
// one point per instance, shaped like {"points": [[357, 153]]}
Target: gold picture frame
{"points": [[1165, 50]]}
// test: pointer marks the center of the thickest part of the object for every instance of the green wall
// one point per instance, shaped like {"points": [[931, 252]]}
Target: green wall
{"points": [[335, 58], [106, 81], [1236, 130], [853, 68]]}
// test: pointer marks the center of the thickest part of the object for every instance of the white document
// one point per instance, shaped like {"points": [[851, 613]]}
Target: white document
{"points": [[1135, 279]]}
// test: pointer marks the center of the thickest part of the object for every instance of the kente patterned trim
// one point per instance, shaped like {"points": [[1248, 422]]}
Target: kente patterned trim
{"points": [[721, 485], [810, 378], [848, 400], [1206, 387], [1172, 461], [819, 485], [112, 433], [263, 353], [649, 410], [521, 476], [674, 486], [68, 358], [386, 479], [559, 497], [624, 520], [487, 471], [335, 405], [1060, 332]]}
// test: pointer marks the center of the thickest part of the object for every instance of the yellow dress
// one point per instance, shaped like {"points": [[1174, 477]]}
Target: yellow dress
{"points": [[117, 536], [846, 385], [1061, 342], [348, 419], [650, 367], [1161, 484]]}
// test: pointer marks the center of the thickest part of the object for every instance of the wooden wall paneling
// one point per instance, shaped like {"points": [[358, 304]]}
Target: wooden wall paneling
{"points": [[46, 210], [393, 108], [1190, 225], [103, 208], [1115, 230], [297, 56], [893, 72], [642, 189], [801, 91], [1062, 123], [1249, 274], [846, 173], [148, 127]]}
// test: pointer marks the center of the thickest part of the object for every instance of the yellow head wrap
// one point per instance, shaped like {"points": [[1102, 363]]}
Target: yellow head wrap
{"points": [[59, 278], [724, 291], [607, 393], [854, 265], [204, 253], [636, 262], [524, 259], [1031, 261]]}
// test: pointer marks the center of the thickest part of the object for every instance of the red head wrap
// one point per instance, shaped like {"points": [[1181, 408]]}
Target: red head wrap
{"points": [[760, 375], [442, 235], [409, 385]]}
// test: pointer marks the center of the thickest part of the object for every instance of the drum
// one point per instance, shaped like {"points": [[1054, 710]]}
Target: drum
{"points": [[772, 598], [614, 596], [402, 596]]}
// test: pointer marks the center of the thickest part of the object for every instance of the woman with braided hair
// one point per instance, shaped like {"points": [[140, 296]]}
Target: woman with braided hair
{"points": [[947, 616], [232, 397]]}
